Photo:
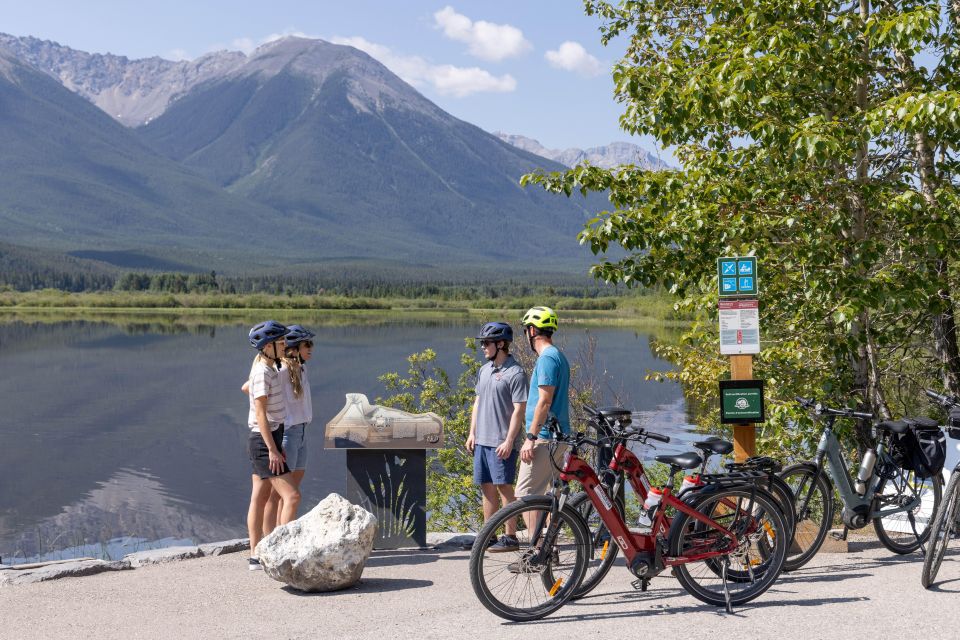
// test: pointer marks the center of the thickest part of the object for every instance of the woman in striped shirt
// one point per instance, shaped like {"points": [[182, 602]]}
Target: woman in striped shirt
{"points": [[267, 411]]}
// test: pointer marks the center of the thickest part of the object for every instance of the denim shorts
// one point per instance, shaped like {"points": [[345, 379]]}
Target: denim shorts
{"points": [[489, 468], [295, 447]]}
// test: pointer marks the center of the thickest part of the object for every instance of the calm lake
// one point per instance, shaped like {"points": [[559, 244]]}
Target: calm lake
{"points": [[121, 436]]}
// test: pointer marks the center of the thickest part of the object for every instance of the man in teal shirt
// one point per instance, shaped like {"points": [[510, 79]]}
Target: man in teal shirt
{"points": [[549, 391]]}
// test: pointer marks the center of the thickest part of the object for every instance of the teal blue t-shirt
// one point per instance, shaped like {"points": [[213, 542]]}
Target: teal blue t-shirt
{"points": [[551, 370]]}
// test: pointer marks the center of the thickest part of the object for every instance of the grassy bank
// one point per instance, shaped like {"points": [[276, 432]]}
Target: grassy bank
{"points": [[652, 307]]}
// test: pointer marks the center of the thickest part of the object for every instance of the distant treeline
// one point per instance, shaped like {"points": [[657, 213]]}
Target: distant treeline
{"points": [[25, 269], [577, 294], [292, 285]]}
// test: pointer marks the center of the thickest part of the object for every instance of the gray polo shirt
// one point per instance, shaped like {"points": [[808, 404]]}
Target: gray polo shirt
{"points": [[498, 388]]}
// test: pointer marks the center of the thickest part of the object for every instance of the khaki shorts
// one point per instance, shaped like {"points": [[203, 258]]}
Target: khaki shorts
{"points": [[536, 477]]}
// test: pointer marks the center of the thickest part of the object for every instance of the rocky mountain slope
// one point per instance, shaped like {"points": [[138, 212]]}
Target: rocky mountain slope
{"points": [[345, 158], [606, 156]]}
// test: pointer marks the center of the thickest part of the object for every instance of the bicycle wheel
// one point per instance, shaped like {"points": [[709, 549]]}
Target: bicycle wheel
{"points": [[603, 550], [896, 531], [944, 526], [811, 522], [784, 495], [754, 516], [764, 543], [518, 585]]}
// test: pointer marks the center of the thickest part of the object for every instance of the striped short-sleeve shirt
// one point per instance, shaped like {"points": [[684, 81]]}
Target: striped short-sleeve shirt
{"points": [[265, 381]]}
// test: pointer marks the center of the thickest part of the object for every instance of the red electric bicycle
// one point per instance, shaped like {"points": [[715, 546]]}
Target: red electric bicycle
{"points": [[613, 427], [725, 542]]}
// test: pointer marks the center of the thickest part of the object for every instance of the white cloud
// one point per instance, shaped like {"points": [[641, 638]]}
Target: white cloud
{"points": [[485, 40], [461, 81], [571, 56], [445, 79]]}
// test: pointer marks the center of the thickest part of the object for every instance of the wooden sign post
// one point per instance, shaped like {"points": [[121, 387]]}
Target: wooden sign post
{"points": [[744, 435]]}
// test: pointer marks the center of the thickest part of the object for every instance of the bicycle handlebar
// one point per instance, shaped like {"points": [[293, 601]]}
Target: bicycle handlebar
{"points": [[819, 409], [942, 400]]}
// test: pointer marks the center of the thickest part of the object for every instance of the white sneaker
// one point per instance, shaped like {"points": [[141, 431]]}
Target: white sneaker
{"points": [[255, 564]]}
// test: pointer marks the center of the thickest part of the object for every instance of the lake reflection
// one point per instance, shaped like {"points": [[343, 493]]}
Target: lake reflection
{"points": [[119, 437]]}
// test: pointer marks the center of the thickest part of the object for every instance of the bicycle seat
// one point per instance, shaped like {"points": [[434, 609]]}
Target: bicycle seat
{"points": [[922, 423], [688, 460], [610, 414], [901, 426], [893, 426], [717, 445]]}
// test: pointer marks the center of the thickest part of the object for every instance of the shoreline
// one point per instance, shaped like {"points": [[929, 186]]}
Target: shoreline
{"points": [[31, 573]]}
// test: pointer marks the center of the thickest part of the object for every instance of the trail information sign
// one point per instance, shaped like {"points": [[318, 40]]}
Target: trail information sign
{"points": [[738, 276], [741, 401], [739, 327]]}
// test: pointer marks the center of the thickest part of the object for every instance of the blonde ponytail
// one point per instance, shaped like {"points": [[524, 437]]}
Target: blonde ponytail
{"points": [[291, 359]]}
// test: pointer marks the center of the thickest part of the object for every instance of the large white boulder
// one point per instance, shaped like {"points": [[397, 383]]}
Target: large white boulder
{"points": [[323, 550]]}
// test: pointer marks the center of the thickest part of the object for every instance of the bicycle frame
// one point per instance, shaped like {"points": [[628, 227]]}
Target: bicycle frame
{"points": [[634, 545], [829, 448]]}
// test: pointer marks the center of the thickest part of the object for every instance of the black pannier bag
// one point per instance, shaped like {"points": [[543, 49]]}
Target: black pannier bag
{"points": [[922, 448]]}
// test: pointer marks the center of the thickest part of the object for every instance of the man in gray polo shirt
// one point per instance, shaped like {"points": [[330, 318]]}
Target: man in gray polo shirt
{"points": [[494, 425]]}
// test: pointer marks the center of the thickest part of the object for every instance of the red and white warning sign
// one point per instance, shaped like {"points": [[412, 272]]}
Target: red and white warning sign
{"points": [[739, 327]]}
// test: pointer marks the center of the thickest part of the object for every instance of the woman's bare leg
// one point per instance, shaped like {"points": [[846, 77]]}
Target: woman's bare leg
{"points": [[289, 495], [270, 511], [259, 494]]}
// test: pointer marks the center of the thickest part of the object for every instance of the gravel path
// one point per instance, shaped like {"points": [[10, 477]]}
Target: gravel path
{"points": [[427, 594]]}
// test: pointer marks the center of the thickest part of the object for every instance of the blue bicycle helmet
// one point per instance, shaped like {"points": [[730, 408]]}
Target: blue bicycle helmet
{"points": [[496, 331], [297, 334], [265, 333]]}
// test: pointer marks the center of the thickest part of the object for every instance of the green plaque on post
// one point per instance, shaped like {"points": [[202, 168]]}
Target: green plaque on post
{"points": [[741, 401]]}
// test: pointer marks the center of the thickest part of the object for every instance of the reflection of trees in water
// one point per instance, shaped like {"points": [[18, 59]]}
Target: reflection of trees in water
{"points": [[128, 504]]}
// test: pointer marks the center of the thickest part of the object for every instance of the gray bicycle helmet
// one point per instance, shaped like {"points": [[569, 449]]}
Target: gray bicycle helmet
{"points": [[297, 334], [266, 332]]}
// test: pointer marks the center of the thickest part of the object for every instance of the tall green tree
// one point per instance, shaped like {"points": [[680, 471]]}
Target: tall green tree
{"points": [[820, 136]]}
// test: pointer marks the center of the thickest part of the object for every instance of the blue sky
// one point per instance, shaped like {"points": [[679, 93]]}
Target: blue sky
{"points": [[500, 65]]}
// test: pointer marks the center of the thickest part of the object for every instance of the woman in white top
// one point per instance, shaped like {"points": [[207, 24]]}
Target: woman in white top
{"points": [[266, 421], [299, 413]]}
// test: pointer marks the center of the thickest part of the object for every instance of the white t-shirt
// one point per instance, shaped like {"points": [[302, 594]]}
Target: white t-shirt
{"points": [[299, 410], [265, 381]]}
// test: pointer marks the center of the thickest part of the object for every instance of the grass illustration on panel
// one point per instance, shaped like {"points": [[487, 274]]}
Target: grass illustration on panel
{"points": [[394, 507]]}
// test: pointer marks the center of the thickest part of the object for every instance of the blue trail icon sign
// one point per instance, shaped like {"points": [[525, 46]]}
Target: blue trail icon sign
{"points": [[737, 276]]}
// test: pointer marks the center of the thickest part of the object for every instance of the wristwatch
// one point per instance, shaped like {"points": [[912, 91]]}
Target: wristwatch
{"points": [[531, 436]]}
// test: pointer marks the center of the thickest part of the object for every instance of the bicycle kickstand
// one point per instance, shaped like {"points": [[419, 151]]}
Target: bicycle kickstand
{"points": [[640, 584], [726, 589], [841, 536]]}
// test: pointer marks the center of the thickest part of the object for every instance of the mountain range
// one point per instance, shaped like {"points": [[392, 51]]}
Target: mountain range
{"points": [[303, 152], [606, 156]]}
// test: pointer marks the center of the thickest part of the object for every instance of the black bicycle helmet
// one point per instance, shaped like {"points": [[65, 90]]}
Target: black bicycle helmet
{"points": [[265, 333], [496, 331]]}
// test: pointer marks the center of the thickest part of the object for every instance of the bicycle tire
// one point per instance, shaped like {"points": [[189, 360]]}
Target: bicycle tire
{"points": [[571, 556], [810, 528], [746, 574], [885, 531], [688, 533], [944, 525], [596, 569], [784, 494]]}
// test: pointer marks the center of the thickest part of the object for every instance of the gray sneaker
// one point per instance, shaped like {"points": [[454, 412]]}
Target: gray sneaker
{"points": [[254, 564], [504, 544]]}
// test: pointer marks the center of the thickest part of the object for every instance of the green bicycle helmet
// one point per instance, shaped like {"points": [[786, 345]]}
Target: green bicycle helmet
{"points": [[541, 318]]}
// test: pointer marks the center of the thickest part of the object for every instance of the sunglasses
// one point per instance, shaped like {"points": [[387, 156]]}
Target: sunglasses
{"points": [[308, 344], [487, 343]]}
